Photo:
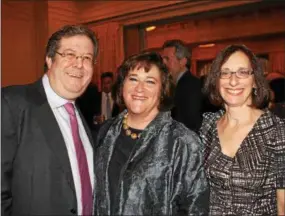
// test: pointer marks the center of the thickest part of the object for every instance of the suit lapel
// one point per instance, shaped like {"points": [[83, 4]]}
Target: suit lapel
{"points": [[51, 131]]}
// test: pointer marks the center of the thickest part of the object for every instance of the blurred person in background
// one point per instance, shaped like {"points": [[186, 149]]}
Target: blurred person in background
{"points": [[107, 107], [277, 105], [88, 103], [188, 95]]}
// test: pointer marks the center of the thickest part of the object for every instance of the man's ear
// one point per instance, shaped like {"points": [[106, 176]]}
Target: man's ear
{"points": [[183, 61], [49, 62]]}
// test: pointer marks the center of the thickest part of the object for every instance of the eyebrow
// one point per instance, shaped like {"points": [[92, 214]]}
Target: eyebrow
{"points": [[237, 69], [70, 49], [148, 77]]}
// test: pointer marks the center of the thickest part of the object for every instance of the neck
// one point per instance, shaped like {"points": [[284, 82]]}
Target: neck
{"points": [[140, 121], [240, 115], [178, 73]]}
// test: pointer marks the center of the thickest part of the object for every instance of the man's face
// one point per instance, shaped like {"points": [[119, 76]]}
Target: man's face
{"points": [[107, 83], [172, 62], [71, 70]]}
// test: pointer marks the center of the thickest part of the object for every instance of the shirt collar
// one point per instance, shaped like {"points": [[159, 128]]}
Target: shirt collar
{"points": [[54, 99], [179, 76], [107, 94]]}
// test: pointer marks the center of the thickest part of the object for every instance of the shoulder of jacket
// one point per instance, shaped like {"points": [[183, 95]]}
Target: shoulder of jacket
{"points": [[14, 93], [181, 132]]}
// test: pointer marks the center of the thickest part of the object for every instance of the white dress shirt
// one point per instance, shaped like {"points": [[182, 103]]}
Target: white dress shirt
{"points": [[57, 105], [104, 102]]}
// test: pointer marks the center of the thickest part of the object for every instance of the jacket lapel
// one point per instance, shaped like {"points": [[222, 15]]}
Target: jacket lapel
{"points": [[51, 131], [148, 135]]}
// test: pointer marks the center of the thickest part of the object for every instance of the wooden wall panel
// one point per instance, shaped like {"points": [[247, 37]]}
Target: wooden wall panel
{"points": [[21, 59], [258, 46], [132, 41], [61, 13], [271, 46], [111, 52], [217, 29], [92, 11]]}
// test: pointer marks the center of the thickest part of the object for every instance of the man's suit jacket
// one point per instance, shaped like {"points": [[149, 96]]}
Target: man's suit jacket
{"points": [[36, 172], [115, 108], [89, 103], [188, 101]]}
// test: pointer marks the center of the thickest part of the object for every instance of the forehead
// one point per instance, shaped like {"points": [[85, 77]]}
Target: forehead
{"points": [[107, 79], [140, 71], [168, 51], [237, 60], [77, 43]]}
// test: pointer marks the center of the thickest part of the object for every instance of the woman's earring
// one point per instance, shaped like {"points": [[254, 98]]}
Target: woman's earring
{"points": [[254, 91]]}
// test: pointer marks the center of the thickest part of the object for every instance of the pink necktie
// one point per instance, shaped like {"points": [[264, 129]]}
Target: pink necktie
{"points": [[86, 189]]}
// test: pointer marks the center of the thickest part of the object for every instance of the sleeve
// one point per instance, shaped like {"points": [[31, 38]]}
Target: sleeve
{"points": [[191, 195], [190, 108], [280, 156], [8, 151], [206, 128]]}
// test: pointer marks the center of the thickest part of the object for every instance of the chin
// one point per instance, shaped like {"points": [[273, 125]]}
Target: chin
{"points": [[135, 111], [240, 104]]}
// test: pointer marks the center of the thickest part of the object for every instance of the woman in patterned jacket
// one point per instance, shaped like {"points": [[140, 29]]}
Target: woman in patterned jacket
{"points": [[244, 143]]}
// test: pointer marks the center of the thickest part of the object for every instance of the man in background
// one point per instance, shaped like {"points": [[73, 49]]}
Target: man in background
{"points": [[88, 103], [188, 93], [47, 149], [108, 108]]}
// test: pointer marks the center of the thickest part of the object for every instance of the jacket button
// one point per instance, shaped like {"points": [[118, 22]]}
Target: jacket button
{"points": [[73, 211]]}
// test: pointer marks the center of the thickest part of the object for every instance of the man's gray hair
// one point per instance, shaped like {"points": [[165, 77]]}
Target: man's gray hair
{"points": [[181, 50]]}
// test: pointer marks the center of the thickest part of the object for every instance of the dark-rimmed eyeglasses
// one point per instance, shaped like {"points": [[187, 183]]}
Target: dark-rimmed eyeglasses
{"points": [[242, 73]]}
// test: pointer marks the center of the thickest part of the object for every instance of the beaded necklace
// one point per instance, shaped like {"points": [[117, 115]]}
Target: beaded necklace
{"points": [[127, 129]]}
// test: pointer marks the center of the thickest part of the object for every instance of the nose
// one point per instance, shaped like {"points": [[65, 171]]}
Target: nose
{"points": [[233, 79], [79, 62], [139, 87]]}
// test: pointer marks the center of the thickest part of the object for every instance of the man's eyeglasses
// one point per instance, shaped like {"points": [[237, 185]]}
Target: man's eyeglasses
{"points": [[242, 74], [70, 56]]}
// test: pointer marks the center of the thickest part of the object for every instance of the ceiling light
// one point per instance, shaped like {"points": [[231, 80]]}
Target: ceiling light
{"points": [[207, 45], [150, 28]]}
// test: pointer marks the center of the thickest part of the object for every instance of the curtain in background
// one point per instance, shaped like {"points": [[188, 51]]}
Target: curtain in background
{"points": [[110, 52], [277, 62]]}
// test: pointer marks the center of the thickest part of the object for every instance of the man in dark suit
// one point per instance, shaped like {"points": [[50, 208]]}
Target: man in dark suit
{"points": [[88, 103], [188, 94], [47, 150], [107, 107]]}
